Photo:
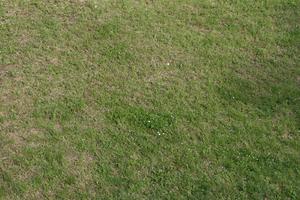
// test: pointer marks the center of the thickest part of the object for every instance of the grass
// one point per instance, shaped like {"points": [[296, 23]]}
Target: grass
{"points": [[126, 99]]}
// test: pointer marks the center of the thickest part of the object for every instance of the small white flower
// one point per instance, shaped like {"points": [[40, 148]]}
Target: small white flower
{"points": [[168, 64]]}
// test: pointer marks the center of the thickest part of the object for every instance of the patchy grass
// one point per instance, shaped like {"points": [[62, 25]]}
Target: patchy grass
{"points": [[182, 99]]}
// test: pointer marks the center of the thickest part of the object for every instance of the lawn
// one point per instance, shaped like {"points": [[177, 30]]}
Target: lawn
{"points": [[149, 99]]}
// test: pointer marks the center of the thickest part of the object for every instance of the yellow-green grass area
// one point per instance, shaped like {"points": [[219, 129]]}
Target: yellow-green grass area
{"points": [[149, 99]]}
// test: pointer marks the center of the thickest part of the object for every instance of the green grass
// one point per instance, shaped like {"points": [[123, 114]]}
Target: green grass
{"points": [[127, 99]]}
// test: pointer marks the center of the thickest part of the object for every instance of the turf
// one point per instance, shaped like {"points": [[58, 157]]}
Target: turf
{"points": [[149, 99]]}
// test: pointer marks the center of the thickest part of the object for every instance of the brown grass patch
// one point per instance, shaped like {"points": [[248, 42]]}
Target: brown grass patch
{"points": [[80, 166]]}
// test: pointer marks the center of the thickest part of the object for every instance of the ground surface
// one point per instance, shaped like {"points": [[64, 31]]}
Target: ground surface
{"points": [[150, 99]]}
